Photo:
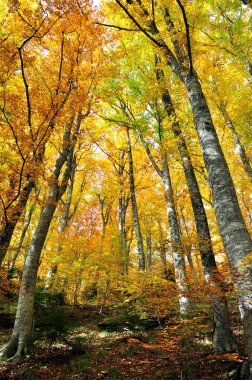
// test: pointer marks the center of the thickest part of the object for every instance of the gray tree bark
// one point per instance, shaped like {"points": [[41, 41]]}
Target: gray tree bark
{"points": [[234, 233], [24, 315], [140, 249], [223, 337], [123, 202], [177, 249], [178, 257]]}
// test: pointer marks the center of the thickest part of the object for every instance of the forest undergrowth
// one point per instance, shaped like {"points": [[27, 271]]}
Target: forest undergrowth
{"points": [[80, 342]]}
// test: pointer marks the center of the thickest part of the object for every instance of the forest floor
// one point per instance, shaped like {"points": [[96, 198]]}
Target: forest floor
{"points": [[84, 350]]}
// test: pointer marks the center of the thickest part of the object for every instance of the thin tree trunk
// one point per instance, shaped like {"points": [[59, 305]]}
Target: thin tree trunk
{"points": [[162, 248], [50, 277], [177, 251], [123, 202], [77, 289], [8, 229], [178, 258], [64, 222], [139, 238], [105, 207], [149, 250], [122, 234], [24, 316], [189, 246], [21, 240], [238, 145]]}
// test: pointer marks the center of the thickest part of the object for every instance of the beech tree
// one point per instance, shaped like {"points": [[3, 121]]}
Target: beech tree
{"points": [[29, 119], [153, 100], [232, 227]]}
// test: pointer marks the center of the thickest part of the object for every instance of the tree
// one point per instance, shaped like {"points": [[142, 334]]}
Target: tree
{"points": [[24, 316], [29, 119], [233, 230]]}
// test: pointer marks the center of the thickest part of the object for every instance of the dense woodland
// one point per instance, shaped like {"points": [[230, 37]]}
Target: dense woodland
{"points": [[125, 191]]}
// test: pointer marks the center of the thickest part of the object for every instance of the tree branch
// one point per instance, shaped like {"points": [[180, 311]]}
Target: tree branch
{"points": [[187, 37], [137, 24], [117, 27]]}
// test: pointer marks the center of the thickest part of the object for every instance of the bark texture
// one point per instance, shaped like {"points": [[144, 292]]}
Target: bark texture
{"points": [[232, 227], [223, 338]]}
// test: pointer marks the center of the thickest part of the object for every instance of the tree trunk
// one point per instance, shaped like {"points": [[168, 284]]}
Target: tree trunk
{"points": [[24, 316], [178, 258], [105, 207], [139, 238], [21, 240], [8, 229], [123, 202], [238, 145], [177, 251], [122, 233], [51, 276], [77, 289], [188, 247], [149, 250], [64, 222], [223, 339], [234, 233]]}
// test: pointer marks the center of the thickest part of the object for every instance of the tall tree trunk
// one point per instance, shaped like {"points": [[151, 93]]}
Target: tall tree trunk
{"points": [[223, 338], [11, 222], [178, 258], [162, 247], [21, 240], [123, 202], [63, 224], [234, 233], [122, 234], [139, 238], [24, 315], [177, 251]]}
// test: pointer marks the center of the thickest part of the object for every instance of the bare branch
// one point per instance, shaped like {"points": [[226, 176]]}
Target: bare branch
{"points": [[187, 37], [61, 61], [14, 135], [117, 27]]}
